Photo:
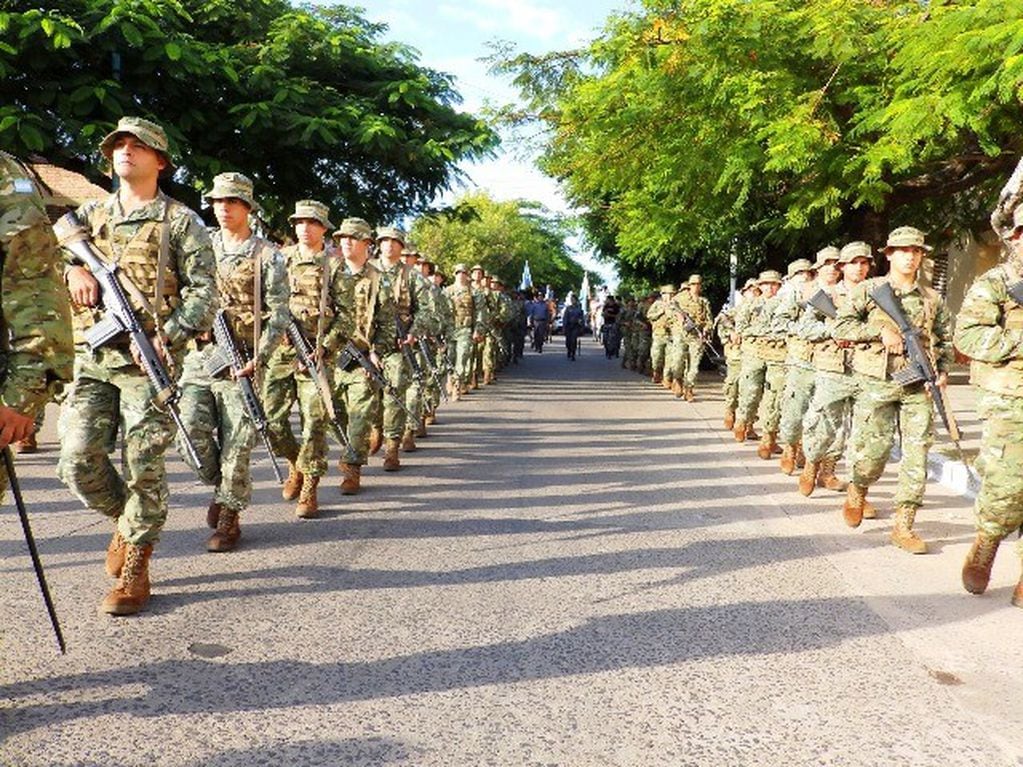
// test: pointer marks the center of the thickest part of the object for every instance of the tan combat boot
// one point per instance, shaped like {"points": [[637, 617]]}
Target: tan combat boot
{"points": [[676, 389], [977, 568], [1017, 594], [800, 456], [115, 554], [421, 431], [808, 477], [212, 514], [391, 462], [131, 593], [869, 512], [26, 446], [307, 505], [351, 474], [292, 485], [787, 464], [666, 383], [474, 382], [767, 445], [852, 509], [729, 420], [430, 420], [740, 431], [903, 534], [688, 394], [376, 439], [657, 378], [827, 478], [408, 441], [228, 531]]}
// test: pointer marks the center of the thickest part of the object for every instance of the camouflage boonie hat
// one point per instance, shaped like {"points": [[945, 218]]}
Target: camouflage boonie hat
{"points": [[477, 267], [854, 250], [695, 279], [387, 233], [799, 266], [769, 276], [358, 228], [906, 237], [146, 131], [312, 209], [459, 268], [667, 289], [830, 253], [750, 283], [684, 286], [235, 185]]}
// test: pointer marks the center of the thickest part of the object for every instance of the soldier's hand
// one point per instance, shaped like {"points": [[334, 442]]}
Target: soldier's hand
{"points": [[82, 286], [375, 360], [942, 381], [892, 340], [477, 337], [14, 426], [735, 338], [248, 371]]}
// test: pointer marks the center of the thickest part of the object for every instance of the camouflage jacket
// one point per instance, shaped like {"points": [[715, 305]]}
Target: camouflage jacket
{"points": [[36, 351], [989, 330]]}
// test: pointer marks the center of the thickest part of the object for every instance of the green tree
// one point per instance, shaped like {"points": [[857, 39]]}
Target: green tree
{"points": [[694, 128], [501, 237], [308, 100]]}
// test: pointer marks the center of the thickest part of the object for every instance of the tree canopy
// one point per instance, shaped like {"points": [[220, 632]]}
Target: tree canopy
{"points": [[307, 99], [501, 237], [693, 128]]}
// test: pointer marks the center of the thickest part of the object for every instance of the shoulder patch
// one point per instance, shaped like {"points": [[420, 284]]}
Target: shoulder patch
{"points": [[24, 186]]}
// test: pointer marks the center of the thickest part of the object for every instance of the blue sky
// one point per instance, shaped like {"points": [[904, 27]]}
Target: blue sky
{"points": [[452, 35]]}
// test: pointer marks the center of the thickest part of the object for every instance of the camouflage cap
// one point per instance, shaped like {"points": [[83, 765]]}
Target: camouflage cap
{"points": [[357, 228], [667, 289], [769, 276], [906, 237], [146, 131], [460, 268], [478, 268], [695, 279], [799, 266], [387, 233], [830, 253], [855, 250], [312, 209], [237, 185]]}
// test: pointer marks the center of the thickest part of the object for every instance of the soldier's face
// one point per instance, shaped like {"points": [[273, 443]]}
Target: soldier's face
{"points": [[232, 214], [438, 280], [905, 261], [768, 289], [134, 161], [353, 248], [828, 273], [390, 248], [695, 288], [856, 271], [310, 232], [463, 278]]}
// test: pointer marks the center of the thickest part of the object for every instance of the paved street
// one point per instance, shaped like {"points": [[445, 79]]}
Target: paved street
{"points": [[575, 569]]}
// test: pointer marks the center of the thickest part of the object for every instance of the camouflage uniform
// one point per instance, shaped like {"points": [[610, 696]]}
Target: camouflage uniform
{"points": [[212, 408], [799, 372], [677, 357], [318, 303], [36, 351], [753, 369], [882, 403], [725, 326], [659, 319], [111, 392], [698, 309], [644, 336], [467, 316]]}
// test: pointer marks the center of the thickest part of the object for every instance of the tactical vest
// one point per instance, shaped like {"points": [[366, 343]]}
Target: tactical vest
{"points": [[236, 283], [799, 351], [397, 288], [1002, 377], [364, 296], [828, 356], [870, 358], [305, 279], [464, 307], [137, 255]]}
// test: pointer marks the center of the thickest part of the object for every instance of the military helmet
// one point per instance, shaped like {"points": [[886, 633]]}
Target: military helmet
{"points": [[237, 185], [357, 228], [830, 253], [313, 209], [906, 237], [390, 233], [146, 131], [854, 250]]}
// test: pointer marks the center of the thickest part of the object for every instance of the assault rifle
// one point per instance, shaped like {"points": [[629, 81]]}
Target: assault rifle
{"points": [[410, 359], [424, 349], [691, 327], [919, 369], [33, 552], [119, 317], [822, 302], [352, 353], [227, 355], [307, 359]]}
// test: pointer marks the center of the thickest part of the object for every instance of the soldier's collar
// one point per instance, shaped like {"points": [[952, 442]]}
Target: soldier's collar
{"points": [[154, 210]]}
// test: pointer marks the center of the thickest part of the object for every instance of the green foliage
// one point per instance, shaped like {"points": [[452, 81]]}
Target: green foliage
{"points": [[501, 237], [694, 127], [307, 100]]}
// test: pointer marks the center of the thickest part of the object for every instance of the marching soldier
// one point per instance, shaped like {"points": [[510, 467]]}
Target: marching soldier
{"points": [[731, 341], [317, 304], [882, 402], [36, 350], [678, 357], [694, 304], [752, 322], [467, 311], [659, 319], [163, 248], [989, 329], [253, 288]]}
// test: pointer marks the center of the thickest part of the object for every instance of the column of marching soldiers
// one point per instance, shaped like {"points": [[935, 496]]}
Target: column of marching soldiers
{"points": [[828, 363], [220, 334]]}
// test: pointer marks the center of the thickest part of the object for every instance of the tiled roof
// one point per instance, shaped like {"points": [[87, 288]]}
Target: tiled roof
{"points": [[64, 188]]}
